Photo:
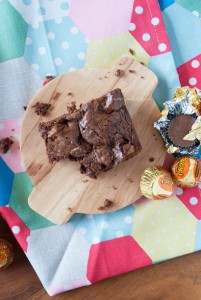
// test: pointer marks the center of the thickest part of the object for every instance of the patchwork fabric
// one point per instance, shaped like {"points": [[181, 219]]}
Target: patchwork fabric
{"points": [[40, 37]]}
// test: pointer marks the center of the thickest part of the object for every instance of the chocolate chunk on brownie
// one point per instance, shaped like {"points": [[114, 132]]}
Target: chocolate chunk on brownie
{"points": [[63, 139], [5, 145], [41, 109], [106, 125]]}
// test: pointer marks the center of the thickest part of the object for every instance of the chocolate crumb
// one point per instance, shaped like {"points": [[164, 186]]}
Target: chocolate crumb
{"points": [[108, 203], [70, 94], [72, 107], [142, 77], [120, 64], [130, 179], [105, 77], [151, 159], [100, 78], [142, 63], [85, 180], [119, 73], [25, 107], [155, 139], [56, 96], [70, 209], [132, 52], [41, 108], [101, 208], [132, 71], [114, 187], [5, 145], [154, 134], [49, 78], [13, 129]]}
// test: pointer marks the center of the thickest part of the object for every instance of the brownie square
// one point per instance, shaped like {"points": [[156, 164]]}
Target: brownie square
{"points": [[107, 126], [99, 135]]}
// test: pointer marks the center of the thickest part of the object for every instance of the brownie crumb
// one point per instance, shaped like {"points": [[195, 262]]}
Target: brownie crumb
{"points": [[25, 107], [56, 96], [114, 187], [107, 203], [119, 73], [5, 145], [130, 179], [132, 71], [101, 208], [72, 107], [49, 78], [69, 94], [41, 109], [132, 52], [151, 159], [85, 180]]}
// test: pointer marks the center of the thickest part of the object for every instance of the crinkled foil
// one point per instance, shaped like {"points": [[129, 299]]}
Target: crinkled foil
{"points": [[186, 102], [156, 183], [186, 171]]}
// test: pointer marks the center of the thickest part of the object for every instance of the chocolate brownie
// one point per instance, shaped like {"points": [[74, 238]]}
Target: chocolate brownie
{"points": [[107, 126], [63, 139], [5, 145], [99, 135]]}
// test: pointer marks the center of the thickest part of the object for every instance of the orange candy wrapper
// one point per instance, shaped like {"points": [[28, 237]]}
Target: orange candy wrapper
{"points": [[186, 171]]}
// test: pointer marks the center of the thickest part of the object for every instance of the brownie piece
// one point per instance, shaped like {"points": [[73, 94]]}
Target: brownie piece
{"points": [[5, 145], [99, 135], [41, 109], [106, 125], [63, 139]]}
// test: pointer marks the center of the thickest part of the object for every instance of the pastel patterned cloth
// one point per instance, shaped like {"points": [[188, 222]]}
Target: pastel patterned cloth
{"points": [[40, 37]]}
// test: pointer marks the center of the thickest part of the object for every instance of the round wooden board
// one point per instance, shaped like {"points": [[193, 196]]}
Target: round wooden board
{"points": [[60, 190]]}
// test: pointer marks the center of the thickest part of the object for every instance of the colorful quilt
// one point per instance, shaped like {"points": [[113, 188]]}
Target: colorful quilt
{"points": [[41, 37]]}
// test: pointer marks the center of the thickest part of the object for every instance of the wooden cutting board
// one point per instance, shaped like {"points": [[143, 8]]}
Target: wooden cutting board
{"points": [[60, 190]]}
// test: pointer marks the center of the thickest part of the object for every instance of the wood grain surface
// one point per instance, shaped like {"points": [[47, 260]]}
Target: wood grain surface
{"points": [[60, 190], [178, 279]]}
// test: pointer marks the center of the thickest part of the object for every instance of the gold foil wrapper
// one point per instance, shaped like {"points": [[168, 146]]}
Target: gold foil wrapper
{"points": [[186, 171], [156, 183], [194, 99], [6, 254]]}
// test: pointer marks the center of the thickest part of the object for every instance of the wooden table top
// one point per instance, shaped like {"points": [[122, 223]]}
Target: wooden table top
{"points": [[175, 279]]}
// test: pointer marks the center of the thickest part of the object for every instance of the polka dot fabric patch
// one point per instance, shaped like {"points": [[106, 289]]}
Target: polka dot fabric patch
{"points": [[152, 37], [97, 228], [55, 47], [190, 72]]}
